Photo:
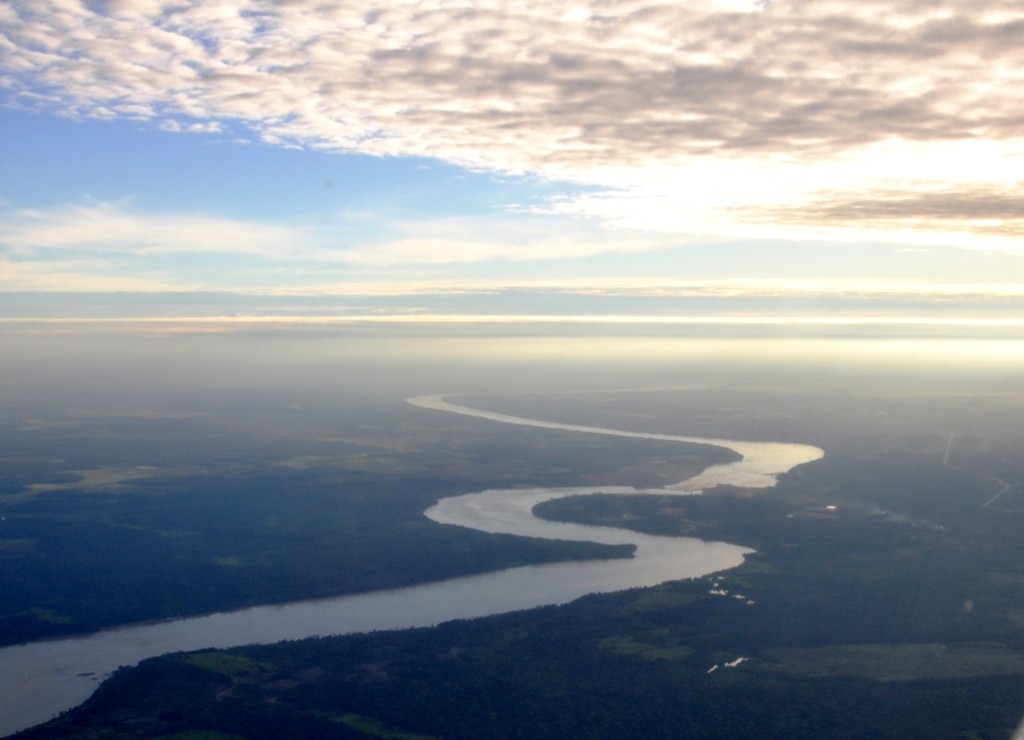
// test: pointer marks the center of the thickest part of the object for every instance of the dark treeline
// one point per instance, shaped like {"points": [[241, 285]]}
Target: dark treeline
{"points": [[847, 623], [211, 543]]}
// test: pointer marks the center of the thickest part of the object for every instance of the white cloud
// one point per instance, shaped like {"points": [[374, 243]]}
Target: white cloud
{"points": [[203, 127], [106, 228], [115, 233], [81, 276], [76, 282], [963, 193], [468, 240], [710, 116]]}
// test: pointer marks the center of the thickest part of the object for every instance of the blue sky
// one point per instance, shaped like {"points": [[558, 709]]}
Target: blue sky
{"points": [[859, 155]]}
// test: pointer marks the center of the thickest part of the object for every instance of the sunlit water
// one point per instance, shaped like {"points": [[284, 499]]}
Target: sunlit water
{"points": [[40, 679]]}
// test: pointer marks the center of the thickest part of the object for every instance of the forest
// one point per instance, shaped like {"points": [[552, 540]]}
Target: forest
{"points": [[883, 600]]}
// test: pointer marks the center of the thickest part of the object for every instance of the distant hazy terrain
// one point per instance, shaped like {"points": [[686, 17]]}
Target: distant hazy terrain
{"points": [[884, 599]]}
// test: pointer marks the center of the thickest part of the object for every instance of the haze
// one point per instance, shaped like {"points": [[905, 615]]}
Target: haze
{"points": [[236, 236]]}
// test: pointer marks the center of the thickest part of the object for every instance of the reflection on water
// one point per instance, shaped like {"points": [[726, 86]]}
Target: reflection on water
{"points": [[761, 463], [39, 679]]}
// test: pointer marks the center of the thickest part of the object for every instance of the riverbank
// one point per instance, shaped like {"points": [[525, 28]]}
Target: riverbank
{"points": [[41, 679]]}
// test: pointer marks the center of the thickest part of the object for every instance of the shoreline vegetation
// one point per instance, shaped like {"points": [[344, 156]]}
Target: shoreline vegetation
{"points": [[649, 561], [883, 602]]}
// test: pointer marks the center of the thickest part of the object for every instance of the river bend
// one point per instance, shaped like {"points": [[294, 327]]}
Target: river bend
{"points": [[40, 679]]}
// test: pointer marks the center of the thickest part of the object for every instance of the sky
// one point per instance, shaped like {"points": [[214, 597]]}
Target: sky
{"points": [[434, 159]]}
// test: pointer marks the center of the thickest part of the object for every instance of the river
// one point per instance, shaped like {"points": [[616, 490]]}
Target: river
{"points": [[41, 679]]}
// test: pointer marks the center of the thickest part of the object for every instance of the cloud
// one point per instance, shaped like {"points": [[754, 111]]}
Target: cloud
{"points": [[96, 240], [610, 83], [106, 228], [494, 239], [997, 213], [79, 276], [957, 193], [204, 127], [769, 102]]}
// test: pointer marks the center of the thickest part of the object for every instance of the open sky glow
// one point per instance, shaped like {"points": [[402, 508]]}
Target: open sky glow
{"points": [[516, 157]]}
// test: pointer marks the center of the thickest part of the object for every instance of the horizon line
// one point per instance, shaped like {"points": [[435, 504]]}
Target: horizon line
{"points": [[616, 319]]}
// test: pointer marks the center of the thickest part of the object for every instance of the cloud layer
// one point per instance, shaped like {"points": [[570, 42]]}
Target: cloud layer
{"points": [[106, 229], [712, 116]]}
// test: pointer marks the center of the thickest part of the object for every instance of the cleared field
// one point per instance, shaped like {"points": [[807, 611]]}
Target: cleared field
{"points": [[908, 662]]}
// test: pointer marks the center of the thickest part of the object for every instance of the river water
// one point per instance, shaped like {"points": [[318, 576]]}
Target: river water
{"points": [[40, 679]]}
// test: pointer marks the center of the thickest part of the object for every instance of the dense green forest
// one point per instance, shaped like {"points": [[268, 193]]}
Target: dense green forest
{"points": [[114, 519], [884, 599], [843, 647], [852, 620]]}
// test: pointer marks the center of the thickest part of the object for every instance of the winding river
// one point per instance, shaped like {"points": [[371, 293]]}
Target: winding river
{"points": [[40, 679]]}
